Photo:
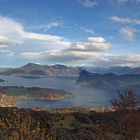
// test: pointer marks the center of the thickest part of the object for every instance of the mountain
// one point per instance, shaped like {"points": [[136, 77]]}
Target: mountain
{"points": [[30, 70], [109, 80], [116, 70], [44, 70]]}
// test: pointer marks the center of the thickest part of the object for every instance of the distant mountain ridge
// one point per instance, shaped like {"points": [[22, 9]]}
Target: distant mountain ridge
{"points": [[44, 70], [109, 80], [64, 71], [116, 70]]}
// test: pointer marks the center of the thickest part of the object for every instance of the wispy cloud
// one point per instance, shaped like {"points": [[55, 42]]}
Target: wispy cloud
{"points": [[125, 1], [125, 20], [48, 26], [7, 52], [91, 31], [88, 3], [128, 33]]}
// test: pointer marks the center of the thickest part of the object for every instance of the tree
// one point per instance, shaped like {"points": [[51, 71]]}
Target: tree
{"points": [[125, 101]]}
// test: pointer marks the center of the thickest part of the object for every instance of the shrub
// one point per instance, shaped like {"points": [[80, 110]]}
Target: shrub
{"points": [[125, 101]]}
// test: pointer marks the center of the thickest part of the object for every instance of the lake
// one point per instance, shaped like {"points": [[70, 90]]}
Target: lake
{"points": [[84, 96]]}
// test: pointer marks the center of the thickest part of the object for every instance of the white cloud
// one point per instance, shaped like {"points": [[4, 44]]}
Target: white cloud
{"points": [[6, 52], [9, 28], [88, 3], [96, 39], [61, 57], [128, 33], [13, 33], [5, 41], [77, 53], [122, 60], [84, 58], [48, 26], [125, 20], [92, 44], [33, 55], [57, 49]]}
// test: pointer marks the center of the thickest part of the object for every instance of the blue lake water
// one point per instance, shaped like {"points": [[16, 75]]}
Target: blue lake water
{"points": [[85, 97]]}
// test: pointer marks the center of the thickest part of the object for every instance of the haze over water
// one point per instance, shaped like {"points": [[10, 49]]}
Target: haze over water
{"points": [[83, 96]]}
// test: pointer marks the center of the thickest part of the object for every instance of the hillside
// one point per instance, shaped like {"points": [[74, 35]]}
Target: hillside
{"points": [[109, 80], [44, 70]]}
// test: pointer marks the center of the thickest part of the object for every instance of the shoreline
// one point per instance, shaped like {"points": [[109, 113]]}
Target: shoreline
{"points": [[68, 110]]}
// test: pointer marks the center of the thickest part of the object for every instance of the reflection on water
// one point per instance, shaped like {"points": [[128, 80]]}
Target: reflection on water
{"points": [[85, 97]]}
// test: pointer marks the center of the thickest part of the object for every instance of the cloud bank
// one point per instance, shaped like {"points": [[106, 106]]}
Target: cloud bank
{"points": [[56, 49]]}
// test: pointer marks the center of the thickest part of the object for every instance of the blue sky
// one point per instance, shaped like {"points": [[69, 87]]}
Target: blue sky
{"points": [[73, 32]]}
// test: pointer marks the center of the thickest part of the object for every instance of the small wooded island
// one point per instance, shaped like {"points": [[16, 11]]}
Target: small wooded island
{"points": [[1, 80], [29, 76], [10, 94]]}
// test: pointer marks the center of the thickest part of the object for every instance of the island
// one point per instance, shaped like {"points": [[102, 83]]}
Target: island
{"points": [[1, 80], [9, 95], [29, 76]]}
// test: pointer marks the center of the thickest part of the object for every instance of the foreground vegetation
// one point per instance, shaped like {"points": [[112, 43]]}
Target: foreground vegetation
{"points": [[122, 123], [24, 124]]}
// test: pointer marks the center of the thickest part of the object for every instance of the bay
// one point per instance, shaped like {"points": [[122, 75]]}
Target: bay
{"points": [[83, 96]]}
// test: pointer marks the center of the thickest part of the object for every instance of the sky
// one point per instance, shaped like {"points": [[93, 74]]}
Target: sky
{"points": [[98, 33]]}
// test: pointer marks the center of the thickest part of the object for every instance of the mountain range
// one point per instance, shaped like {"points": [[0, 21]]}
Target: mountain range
{"points": [[109, 80], [32, 70], [43, 70]]}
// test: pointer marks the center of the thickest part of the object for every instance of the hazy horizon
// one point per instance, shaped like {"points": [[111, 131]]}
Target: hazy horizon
{"points": [[82, 66]]}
